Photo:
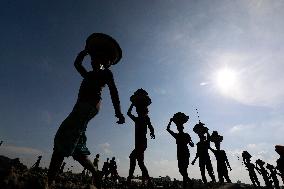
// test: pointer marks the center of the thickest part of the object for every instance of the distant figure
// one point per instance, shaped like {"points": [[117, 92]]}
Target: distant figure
{"points": [[221, 157], [280, 162], [141, 101], [273, 175], [263, 172], [36, 164], [182, 140], [96, 162], [70, 139], [251, 168], [105, 169], [1, 142], [202, 152], [113, 169], [62, 167]]}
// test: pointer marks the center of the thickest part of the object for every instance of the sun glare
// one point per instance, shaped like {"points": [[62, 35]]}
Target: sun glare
{"points": [[226, 80]]}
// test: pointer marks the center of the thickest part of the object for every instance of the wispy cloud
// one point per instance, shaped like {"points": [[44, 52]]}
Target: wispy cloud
{"points": [[19, 150]]}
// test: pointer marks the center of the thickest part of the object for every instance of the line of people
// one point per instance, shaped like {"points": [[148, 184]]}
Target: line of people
{"points": [[269, 172], [203, 146], [70, 139]]}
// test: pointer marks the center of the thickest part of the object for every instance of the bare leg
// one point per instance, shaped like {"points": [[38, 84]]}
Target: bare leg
{"points": [[55, 163], [202, 170], [86, 163], [132, 158], [143, 168], [210, 170]]}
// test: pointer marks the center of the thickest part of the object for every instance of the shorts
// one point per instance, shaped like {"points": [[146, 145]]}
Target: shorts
{"points": [[138, 152], [70, 139]]}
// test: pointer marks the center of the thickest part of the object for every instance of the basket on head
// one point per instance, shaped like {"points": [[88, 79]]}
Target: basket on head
{"points": [[269, 166], [180, 118], [215, 137], [279, 149], [103, 45], [259, 162], [200, 129], [140, 98], [246, 155]]}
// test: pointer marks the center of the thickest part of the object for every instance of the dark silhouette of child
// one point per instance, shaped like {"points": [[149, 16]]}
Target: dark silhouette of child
{"points": [[263, 172], [280, 161], [221, 158], [251, 168], [36, 164], [273, 175], [96, 162], [182, 140], [70, 139], [105, 169], [202, 152], [141, 101], [113, 169]]}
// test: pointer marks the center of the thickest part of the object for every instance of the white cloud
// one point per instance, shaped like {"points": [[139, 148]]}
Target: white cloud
{"points": [[106, 148], [203, 83]]}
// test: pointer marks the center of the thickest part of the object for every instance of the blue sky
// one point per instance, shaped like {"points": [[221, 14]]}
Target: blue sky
{"points": [[176, 50]]}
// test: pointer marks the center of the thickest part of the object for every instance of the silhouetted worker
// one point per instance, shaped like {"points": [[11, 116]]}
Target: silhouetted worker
{"points": [[105, 169], [113, 169], [202, 152], [182, 140], [280, 162], [141, 101], [96, 162], [221, 158], [1, 142], [36, 164], [70, 139], [263, 172], [251, 168], [273, 175], [62, 167]]}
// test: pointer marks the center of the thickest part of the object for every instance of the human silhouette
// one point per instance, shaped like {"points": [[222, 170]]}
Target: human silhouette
{"points": [[202, 152], [1, 142], [251, 168], [96, 162], [36, 164], [273, 175], [70, 139], [113, 169], [182, 140], [141, 101], [105, 169], [280, 161], [221, 158], [263, 172]]}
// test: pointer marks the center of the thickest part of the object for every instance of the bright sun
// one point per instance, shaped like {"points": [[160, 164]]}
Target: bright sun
{"points": [[226, 80]]}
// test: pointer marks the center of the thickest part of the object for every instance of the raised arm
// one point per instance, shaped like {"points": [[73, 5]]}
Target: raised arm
{"points": [[151, 128], [115, 99], [78, 63], [257, 168], [129, 112], [169, 129]]}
